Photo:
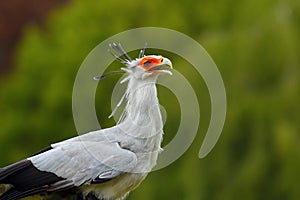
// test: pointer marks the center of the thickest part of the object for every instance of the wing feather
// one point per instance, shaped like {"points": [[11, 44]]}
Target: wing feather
{"points": [[84, 161], [26, 180]]}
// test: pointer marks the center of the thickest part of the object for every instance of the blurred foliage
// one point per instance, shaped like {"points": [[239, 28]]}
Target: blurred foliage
{"points": [[256, 47]]}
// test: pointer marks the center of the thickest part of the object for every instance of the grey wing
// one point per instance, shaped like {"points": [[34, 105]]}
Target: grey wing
{"points": [[94, 136], [81, 162]]}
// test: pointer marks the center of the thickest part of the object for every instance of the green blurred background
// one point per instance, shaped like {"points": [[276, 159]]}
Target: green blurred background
{"points": [[256, 46]]}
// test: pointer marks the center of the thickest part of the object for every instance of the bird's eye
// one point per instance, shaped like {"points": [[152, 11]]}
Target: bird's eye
{"points": [[147, 63], [161, 60]]}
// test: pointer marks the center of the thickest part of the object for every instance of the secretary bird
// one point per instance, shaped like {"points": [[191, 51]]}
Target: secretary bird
{"points": [[105, 164]]}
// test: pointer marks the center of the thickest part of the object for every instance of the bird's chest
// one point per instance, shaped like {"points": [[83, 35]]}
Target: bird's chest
{"points": [[141, 145], [115, 189], [146, 151]]}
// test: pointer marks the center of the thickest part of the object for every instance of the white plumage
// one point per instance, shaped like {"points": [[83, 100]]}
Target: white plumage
{"points": [[108, 163]]}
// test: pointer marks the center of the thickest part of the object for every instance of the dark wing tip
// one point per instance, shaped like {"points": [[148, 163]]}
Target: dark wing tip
{"points": [[26, 180]]}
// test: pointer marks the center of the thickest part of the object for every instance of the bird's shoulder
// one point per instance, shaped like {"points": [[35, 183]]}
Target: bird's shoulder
{"points": [[86, 157]]}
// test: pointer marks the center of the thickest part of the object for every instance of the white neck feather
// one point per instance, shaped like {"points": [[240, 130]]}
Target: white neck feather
{"points": [[142, 114]]}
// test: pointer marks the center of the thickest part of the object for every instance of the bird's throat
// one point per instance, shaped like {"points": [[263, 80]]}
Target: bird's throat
{"points": [[142, 109]]}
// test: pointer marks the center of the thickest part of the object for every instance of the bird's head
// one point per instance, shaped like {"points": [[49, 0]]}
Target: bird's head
{"points": [[149, 66], [143, 67]]}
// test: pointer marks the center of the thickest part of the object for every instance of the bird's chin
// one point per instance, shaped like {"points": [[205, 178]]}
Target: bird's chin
{"points": [[157, 72], [161, 69], [164, 72]]}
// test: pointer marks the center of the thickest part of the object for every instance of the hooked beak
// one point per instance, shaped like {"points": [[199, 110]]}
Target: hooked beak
{"points": [[164, 67]]}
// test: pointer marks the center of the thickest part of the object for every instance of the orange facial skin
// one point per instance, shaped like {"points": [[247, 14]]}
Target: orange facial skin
{"points": [[149, 62]]}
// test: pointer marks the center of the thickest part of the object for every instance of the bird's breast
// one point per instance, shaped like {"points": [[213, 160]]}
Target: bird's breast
{"points": [[116, 189]]}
